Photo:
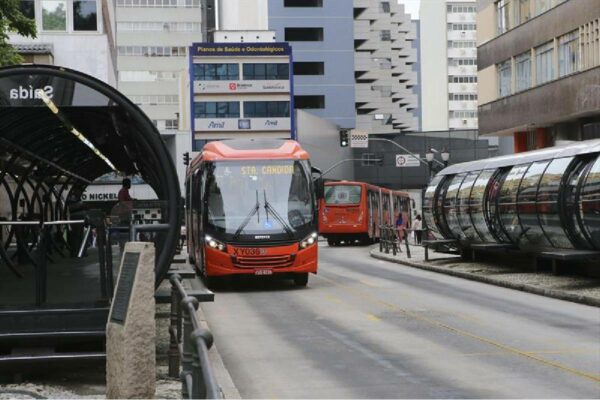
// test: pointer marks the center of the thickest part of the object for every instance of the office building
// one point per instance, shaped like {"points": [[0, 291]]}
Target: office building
{"points": [[539, 70], [448, 65], [241, 90], [321, 36], [71, 33], [383, 67]]}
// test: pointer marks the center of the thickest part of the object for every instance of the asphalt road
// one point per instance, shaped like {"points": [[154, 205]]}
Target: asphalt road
{"points": [[365, 328]]}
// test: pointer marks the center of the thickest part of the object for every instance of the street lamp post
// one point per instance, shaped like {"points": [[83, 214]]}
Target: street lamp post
{"points": [[445, 157], [429, 156]]}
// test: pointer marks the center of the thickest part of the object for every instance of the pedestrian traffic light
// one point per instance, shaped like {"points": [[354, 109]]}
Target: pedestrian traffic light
{"points": [[344, 138], [186, 158]]}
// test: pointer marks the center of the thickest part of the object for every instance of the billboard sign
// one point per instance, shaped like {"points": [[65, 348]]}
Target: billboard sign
{"points": [[407, 160]]}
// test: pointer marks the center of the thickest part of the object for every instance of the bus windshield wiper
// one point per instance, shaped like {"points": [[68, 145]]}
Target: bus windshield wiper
{"points": [[268, 206], [254, 210]]}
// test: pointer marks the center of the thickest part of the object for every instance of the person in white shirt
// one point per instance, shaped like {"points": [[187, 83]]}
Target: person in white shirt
{"points": [[417, 228]]}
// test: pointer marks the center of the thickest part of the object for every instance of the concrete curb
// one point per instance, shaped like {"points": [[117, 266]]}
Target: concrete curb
{"points": [[557, 294]]}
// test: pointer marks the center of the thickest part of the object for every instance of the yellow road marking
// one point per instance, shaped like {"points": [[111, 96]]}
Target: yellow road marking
{"points": [[394, 307], [495, 353], [368, 283], [373, 318]]}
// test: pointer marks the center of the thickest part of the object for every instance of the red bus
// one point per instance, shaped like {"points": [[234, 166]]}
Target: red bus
{"points": [[353, 211], [251, 208]]}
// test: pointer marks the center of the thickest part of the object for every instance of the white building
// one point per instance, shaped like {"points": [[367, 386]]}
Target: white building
{"points": [[71, 33], [448, 65], [384, 55]]}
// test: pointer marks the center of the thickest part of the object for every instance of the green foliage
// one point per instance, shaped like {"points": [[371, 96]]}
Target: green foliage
{"points": [[13, 20], [55, 20]]}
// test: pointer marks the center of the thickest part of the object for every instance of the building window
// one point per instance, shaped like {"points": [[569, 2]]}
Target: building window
{"points": [[216, 72], [84, 15], [309, 68], [568, 53], [522, 13], [303, 34], [462, 27], [148, 76], [155, 100], [217, 109], [523, 71], [266, 72], [462, 61], [158, 3], [28, 8], [503, 15], [383, 63], [462, 97], [157, 26], [152, 51], [385, 35], [542, 6], [463, 114], [461, 44], [303, 3], [544, 62], [385, 7], [309, 102], [456, 8], [462, 79], [54, 15], [168, 124], [266, 109], [505, 78]]}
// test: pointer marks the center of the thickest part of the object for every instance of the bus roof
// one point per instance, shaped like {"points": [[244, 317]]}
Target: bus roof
{"points": [[367, 185], [251, 149]]}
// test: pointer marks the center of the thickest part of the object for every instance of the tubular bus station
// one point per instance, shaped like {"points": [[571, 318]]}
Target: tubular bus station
{"points": [[544, 202], [59, 131]]}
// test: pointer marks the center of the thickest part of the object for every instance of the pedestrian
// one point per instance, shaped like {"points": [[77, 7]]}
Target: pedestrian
{"points": [[417, 228], [124, 192], [400, 226]]}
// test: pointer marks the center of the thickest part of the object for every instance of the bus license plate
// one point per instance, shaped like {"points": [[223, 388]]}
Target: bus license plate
{"points": [[263, 272]]}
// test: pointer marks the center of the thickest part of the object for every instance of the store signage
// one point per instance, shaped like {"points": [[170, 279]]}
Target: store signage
{"points": [[240, 49], [234, 124], [30, 92], [212, 87], [359, 139]]}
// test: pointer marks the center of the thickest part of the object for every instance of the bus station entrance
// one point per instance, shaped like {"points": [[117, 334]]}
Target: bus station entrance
{"points": [[59, 131]]}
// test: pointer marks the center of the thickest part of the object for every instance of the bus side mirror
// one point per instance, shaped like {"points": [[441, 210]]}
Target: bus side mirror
{"points": [[320, 188], [412, 203]]}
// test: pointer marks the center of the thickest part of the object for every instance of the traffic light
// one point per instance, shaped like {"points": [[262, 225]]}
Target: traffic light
{"points": [[186, 158], [344, 138]]}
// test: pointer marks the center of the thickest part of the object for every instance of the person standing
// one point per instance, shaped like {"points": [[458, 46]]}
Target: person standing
{"points": [[417, 228], [400, 226], [124, 192]]}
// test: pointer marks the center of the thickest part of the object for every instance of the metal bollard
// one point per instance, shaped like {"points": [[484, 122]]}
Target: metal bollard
{"points": [[187, 359], [174, 330]]}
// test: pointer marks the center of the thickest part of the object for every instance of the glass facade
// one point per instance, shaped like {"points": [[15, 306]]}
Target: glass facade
{"points": [[551, 203]]}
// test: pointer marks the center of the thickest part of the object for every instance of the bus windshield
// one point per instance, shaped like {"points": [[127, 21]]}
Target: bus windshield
{"points": [[342, 194], [260, 199]]}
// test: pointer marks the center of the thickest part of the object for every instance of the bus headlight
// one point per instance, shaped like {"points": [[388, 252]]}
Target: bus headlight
{"points": [[214, 243], [309, 240]]}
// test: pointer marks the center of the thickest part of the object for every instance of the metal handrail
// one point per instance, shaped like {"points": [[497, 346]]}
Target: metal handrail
{"points": [[189, 345]]}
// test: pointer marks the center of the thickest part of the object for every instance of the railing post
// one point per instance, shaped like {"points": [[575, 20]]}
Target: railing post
{"points": [[203, 341], [187, 359], [406, 242], [174, 328], [100, 242], [109, 263]]}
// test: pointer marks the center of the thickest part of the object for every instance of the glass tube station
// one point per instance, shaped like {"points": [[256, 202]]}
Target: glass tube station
{"points": [[537, 200]]}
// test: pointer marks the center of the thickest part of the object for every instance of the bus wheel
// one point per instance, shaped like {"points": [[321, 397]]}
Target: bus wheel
{"points": [[301, 279]]}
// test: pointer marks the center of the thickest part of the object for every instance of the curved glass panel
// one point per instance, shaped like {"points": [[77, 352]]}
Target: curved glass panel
{"points": [[450, 200], [507, 203], [467, 230], [477, 205], [590, 204], [533, 235], [569, 204], [548, 206], [429, 200]]}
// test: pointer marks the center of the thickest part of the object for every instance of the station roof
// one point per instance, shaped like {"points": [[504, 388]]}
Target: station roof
{"points": [[58, 124]]}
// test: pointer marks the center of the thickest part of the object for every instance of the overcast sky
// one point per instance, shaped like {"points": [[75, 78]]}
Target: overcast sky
{"points": [[412, 7]]}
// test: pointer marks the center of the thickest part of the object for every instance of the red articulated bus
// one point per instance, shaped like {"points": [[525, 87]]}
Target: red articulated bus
{"points": [[353, 211], [251, 208]]}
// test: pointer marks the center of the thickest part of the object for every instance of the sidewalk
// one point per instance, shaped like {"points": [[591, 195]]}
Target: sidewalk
{"points": [[578, 289]]}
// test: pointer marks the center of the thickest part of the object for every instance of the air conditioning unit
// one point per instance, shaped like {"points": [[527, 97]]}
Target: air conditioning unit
{"points": [[464, 122]]}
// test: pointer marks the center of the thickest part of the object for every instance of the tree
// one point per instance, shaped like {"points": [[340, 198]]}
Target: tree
{"points": [[13, 20]]}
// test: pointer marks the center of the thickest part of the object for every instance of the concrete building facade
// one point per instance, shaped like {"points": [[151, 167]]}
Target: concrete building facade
{"points": [[448, 65], [71, 33], [321, 36], [383, 60], [539, 70]]}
